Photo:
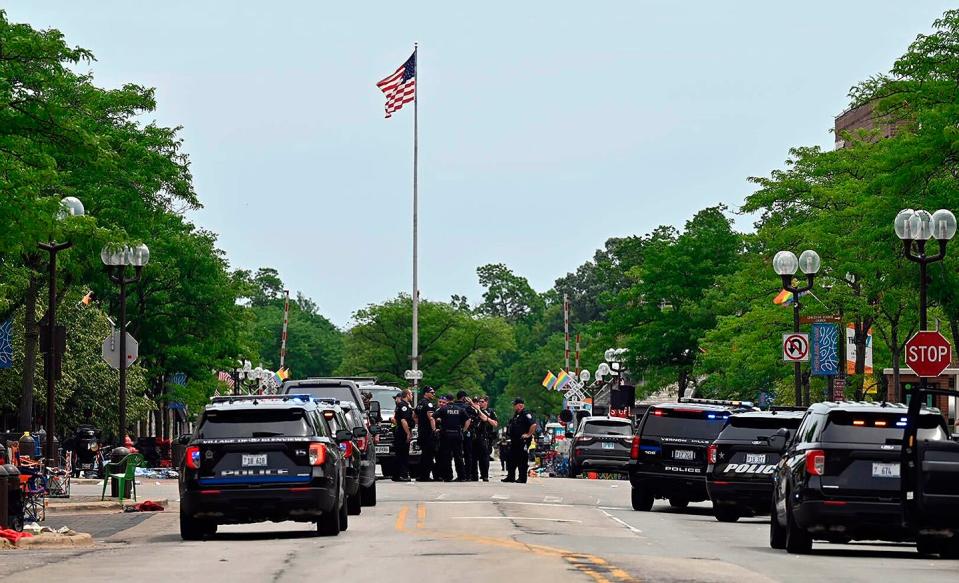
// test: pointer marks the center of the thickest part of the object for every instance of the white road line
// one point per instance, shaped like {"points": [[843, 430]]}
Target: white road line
{"points": [[507, 502], [552, 499], [441, 496], [631, 528], [499, 497], [515, 518]]}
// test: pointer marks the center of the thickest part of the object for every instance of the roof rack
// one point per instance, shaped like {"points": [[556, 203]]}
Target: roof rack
{"points": [[254, 398], [716, 402], [776, 408]]}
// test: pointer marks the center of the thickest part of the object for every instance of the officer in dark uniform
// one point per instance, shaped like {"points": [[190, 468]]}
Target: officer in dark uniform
{"points": [[403, 435], [444, 461], [521, 430], [463, 400], [455, 421], [426, 436], [483, 436]]}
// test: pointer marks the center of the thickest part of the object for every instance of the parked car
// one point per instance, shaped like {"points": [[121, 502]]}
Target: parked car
{"points": [[839, 480], [601, 444], [742, 460], [258, 458]]}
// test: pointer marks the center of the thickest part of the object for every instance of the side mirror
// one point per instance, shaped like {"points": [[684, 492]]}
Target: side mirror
{"points": [[376, 411], [569, 433], [778, 440], [360, 432], [184, 439], [343, 435], [374, 429]]}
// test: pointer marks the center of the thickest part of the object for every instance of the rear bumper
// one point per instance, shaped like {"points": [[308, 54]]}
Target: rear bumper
{"points": [[602, 464], [756, 496], [692, 488], [238, 506], [853, 519], [367, 473]]}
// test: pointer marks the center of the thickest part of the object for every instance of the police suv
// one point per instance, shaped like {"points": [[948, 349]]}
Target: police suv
{"points": [[668, 453], [258, 458], [742, 460], [839, 480]]}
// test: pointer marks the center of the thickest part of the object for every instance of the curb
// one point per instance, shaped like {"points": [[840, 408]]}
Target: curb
{"points": [[49, 540], [68, 507]]}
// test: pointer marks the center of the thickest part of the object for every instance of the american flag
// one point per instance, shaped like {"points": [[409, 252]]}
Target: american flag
{"points": [[400, 87], [226, 378]]}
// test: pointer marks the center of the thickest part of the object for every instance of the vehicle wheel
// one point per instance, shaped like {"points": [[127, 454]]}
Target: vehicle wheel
{"points": [[798, 541], [354, 504], [949, 548], [193, 529], [368, 495], [726, 513], [927, 545], [344, 515], [329, 524], [677, 502], [777, 533], [642, 500]]}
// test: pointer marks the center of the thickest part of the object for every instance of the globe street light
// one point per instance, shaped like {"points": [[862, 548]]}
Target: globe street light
{"points": [[117, 259], [915, 228], [785, 264], [55, 343]]}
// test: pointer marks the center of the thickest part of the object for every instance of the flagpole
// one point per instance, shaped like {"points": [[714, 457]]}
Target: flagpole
{"points": [[416, 293]]}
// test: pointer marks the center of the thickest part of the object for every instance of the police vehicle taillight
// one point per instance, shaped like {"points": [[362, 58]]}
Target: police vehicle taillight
{"points": [[317, 454], [815, 462], [361, 443], [192, 457], [347, 448], [634, 450], [711, 453]]}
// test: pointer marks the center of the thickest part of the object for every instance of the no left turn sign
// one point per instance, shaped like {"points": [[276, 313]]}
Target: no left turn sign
{"points": [[796, 347]]}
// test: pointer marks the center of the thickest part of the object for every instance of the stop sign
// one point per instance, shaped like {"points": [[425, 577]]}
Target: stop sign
{"points": [[928, 353]]}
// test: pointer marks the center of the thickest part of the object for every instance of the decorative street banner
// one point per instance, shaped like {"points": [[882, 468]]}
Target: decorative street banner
{"points": [[6, 344], [825, 349], [851, 350]]}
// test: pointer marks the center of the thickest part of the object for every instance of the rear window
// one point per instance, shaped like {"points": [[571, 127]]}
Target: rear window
{"points": [[749, 428], [692, 423], [854, 427], [259, 423], [335, 392], [607, 428]]}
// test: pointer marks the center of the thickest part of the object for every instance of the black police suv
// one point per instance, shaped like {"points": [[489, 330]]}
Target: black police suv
{"points": [[345, 389], [335, 415], [258, 458], [742, 460], [839, 481], [668, 453], [601, 444]]}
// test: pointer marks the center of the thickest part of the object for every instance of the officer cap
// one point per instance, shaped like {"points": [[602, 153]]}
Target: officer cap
{"points": [[429, 390], [448, 397], [518, 401]]}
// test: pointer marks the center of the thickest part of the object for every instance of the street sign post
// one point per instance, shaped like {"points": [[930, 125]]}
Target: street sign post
{"points": [[928, 353], [796, 347], [110, 351]]}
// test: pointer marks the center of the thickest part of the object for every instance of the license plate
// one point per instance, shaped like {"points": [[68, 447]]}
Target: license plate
{"points": [[684, 454], [382, 449], [755, 458], [258, 459], [880, 470], [608, 446]]}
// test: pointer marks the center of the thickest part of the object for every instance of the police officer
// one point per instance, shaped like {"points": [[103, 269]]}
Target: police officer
{"points": [[426, 436], [483, 436], [455, 421], [469, 432], [521, 429], [444, 461], [403, 435]]}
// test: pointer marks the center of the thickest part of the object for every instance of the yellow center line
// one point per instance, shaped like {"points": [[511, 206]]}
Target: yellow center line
{"points": [[401, 518], [420, 516]]}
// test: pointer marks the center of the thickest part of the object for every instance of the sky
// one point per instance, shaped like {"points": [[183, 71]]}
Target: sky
{"points": [[544, 128]]}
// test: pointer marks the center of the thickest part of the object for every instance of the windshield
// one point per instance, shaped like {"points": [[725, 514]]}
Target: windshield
{"points": [[691, 423], [385, 397], [882, 428], [607, 428], [750, 428], [253, 423]]}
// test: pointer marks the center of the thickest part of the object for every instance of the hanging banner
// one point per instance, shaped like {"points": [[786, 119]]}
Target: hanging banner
{"points": [[6, 344], [825, 349], [851, 350]]}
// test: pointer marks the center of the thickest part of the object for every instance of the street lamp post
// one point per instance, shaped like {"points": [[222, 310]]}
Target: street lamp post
{"points": [[243, 374], [785, 265], [116, 261], [915, 228], [69, 206]]}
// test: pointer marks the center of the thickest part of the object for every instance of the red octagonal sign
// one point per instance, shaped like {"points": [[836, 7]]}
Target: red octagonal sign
{"points": [[928, 353]]}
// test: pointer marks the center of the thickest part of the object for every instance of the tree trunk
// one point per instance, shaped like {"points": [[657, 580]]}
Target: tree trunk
{"points": [[31, 334], [862, 332]]}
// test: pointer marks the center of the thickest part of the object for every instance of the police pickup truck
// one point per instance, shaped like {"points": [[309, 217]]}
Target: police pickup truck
{"points": [[258, 458], [839, 480], [668, 453], [385, 454], [742, 460]]}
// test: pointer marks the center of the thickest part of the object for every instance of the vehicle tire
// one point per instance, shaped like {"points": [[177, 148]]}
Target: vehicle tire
{"points": [[344, 515], [642, 500], [949, 548], [798, 541], [368, 495], [726, 513], [354, 504], [777, 532], [329, 524], [927, 545], [193, 529], [677, 502]]}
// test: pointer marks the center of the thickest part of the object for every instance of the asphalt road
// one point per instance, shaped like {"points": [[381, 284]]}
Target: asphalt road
{"points": [[547, 530]]}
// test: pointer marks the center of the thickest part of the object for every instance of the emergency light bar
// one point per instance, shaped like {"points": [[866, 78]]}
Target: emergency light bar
{"points": [[246, 398], [716, 402], [776, 408]]}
